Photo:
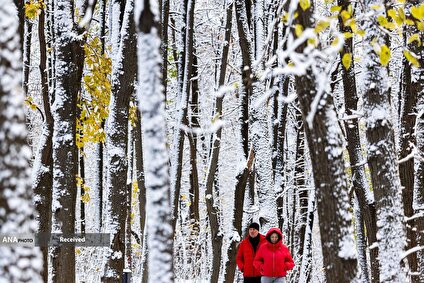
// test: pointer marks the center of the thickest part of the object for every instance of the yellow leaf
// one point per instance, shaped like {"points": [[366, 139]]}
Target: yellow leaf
{"points": [[361, 32], [376, 7], [347, 60], [382, 20], [411, 58], [401, 1], [304, 4], [298, 29], [335, 41], [420, 26], [347, 35], [345, 16], [384, 55], [414, 37], [418, 12], [77, 251], [335, 9], [313, 42], [85, 198], [321, 25], [33, 9]]}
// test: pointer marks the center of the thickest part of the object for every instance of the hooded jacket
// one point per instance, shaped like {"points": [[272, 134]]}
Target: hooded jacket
{"points": [[245, 256], [273, 260]]}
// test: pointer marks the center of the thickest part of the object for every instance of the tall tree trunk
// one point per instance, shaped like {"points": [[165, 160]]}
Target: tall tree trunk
{"points": [[16, 210], [382, 160], [365, 201], [124, 69], [164, 36], [68, 70], [185, 68], [406, 143], [213, 214], [98, 189], [159, 223], [242, 177], [325, 147], [246, 49], [419, 167], [43, 165]]}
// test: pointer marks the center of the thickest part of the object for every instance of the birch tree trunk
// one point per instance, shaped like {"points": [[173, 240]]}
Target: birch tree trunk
{"points": [[16, 210], [150, 94]]}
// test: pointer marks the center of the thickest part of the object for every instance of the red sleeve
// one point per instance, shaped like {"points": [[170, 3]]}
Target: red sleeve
{"points": [[258, 262], [289, 263], [239, 258]]}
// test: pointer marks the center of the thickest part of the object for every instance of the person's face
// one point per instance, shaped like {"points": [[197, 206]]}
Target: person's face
{"points": [[253, 232], [274, 238]]}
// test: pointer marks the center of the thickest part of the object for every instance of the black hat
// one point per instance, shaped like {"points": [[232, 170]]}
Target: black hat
{"points": [[254, 225]]}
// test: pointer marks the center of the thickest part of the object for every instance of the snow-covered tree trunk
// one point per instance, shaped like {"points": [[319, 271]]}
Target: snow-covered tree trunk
{"points": [[419, 168], [184, 75], [150, 94], [43, 164], [408, 95], [382, 158], [326, 151], [17, 263], [242, 178], [360, 185], [124, 69], [69, 57], [213, 214]]}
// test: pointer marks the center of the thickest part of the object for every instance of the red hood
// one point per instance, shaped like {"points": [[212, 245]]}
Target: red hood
{"points": [[274, 230]]}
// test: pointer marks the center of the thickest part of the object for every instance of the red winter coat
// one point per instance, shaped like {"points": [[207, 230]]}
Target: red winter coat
{"points": [[245, 256], [273, 260]]}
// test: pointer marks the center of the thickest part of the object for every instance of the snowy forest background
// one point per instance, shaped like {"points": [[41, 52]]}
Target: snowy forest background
{"points": [[172, 125]]}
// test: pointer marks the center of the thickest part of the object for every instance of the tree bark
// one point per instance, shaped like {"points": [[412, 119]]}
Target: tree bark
{"points": [[159, 223], [242, 177], [213, 214], [382, 161], [365, 203], [325, 143], [124, 69], [69, 58]]}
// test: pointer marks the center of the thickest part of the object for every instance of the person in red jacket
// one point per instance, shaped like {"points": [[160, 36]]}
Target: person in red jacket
{"points": [[273, 258], [246, 254]]}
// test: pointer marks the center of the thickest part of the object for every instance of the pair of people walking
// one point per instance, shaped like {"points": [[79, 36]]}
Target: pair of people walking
{"points": [[264, 259]]}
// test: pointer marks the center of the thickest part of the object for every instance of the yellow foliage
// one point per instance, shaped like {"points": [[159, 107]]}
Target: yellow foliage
{"points": [[384, 55], [411, 58], [30, 103], [347, 60], [418, 12], [304, 4], [96, 82], [85, 198], [132, 113], [321, 25], [33, 9], [335, 9], [413, 38], [298, 29]]}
